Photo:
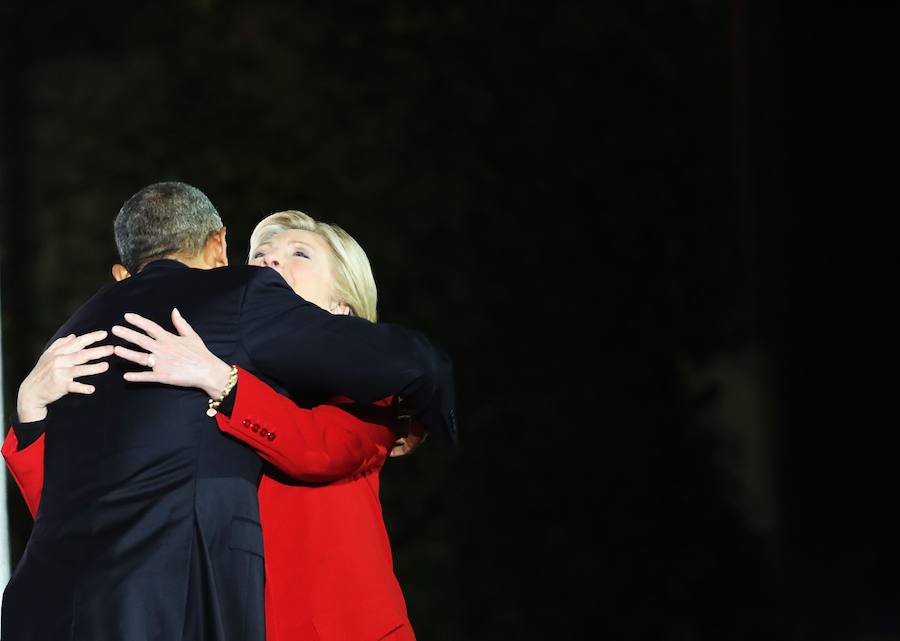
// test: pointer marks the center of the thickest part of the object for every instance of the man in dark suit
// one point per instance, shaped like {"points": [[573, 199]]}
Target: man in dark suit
{"points": [[148, 528]]}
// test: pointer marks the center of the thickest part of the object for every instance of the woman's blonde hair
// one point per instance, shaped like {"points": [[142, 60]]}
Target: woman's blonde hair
{"points": [[354, 284]]}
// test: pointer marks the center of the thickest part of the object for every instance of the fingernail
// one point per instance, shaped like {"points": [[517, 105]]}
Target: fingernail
{"points": [[176, 311]]}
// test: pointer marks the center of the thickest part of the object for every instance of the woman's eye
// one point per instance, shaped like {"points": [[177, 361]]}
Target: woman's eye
{"points": [[300, 253], [257, 255]]}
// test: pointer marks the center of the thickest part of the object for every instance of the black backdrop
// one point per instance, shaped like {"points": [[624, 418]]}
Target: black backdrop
{"points": [[619, 219]]}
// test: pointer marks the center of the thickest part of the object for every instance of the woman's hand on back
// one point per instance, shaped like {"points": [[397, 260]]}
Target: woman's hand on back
{"points": [[56, 370], [181, 359]]}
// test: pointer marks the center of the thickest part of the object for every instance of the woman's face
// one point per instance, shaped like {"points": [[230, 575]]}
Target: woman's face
{"points": [[304, 261]]}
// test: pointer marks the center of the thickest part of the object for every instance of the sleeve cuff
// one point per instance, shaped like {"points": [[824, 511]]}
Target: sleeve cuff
{"points": [[28, 433], [226, 407]]}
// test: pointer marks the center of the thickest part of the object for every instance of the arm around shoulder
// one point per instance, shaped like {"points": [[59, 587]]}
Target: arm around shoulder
{"points": [[304, 348]]}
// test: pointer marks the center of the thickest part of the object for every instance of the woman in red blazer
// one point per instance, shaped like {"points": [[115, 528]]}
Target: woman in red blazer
{"points": [[329, 570]]}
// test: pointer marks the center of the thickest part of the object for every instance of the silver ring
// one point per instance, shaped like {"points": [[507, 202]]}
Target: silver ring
{"points": [[151, 361]]}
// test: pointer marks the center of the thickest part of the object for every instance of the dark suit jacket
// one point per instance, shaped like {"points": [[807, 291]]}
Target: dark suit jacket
{"points": [[148, 526]]}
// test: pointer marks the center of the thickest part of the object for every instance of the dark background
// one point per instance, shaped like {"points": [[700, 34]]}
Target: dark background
{"points": [[620, 218]]}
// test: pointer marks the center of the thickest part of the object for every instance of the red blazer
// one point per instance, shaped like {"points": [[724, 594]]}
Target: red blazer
{"points": [[329, 570]]}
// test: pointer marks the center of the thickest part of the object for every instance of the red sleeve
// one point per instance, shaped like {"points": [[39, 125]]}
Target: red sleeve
{"points": [[316, 445], [27, 468]]}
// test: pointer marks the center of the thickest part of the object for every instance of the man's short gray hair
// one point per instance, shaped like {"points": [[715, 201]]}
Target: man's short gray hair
{"points": [[163, 219]]}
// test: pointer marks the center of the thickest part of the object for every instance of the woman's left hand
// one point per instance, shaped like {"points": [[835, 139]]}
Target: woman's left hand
{"points": [[179, 359]]}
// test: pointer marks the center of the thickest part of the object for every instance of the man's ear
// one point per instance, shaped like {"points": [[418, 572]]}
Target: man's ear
{"points": [[119, 272], [215, 253]]}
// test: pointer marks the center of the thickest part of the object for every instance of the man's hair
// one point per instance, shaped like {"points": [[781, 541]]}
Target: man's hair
{"points": [[163, 219], [353, 281]]}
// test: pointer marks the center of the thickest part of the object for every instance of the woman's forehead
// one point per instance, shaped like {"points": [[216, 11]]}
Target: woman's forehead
{"points": [[288, 236]]}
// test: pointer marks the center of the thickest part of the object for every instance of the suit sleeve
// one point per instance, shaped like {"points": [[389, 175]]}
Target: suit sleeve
{"points": [[311, 352], [316, 445], [26, 467]]}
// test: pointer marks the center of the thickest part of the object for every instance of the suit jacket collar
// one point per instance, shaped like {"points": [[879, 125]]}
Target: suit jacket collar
{"points": [[163, 264]]}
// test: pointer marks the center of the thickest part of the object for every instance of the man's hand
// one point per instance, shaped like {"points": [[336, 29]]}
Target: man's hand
{"points": [[409, 433], [404, 445], [54, 375]]}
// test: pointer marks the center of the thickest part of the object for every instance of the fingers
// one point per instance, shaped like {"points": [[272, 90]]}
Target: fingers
{"points": [[408, 444], [80, 388], [131, 355], [91, 354], [401, 448], [83, 341], [59, 342], [72, 343], [65, 359], [181, 325], [89, 370], [152, 329], [141, 340], [141, 377]]}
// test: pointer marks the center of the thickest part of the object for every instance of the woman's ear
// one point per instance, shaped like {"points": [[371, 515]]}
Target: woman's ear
{"points": [[340, 309]]}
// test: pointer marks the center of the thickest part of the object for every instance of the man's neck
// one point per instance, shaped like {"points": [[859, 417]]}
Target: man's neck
{"points": [[196, 262]]}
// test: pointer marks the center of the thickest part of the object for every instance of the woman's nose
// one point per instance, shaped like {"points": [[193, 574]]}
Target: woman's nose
{"points": [[269, 260]]}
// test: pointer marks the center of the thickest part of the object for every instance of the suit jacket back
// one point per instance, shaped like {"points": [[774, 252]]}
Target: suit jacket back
{"points": [[148, 526]]}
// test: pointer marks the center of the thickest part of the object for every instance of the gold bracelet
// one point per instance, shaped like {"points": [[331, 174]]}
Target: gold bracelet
{"points": [[232, 381]]}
